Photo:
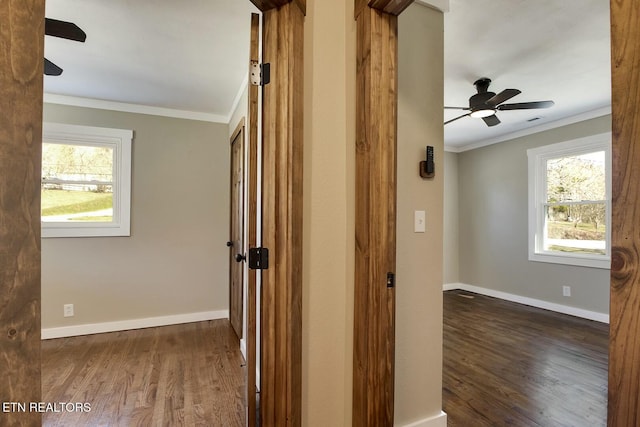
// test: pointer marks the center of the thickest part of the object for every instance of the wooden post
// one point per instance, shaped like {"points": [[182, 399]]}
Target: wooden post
{"points": [[624, 346], [281, 297], [375, 264], [21, 66]]}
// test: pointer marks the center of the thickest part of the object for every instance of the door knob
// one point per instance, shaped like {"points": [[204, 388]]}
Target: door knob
{"points": [[240, 258], [229, 244]]}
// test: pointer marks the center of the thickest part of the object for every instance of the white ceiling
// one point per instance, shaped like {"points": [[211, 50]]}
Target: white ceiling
{"points": [[187, 55], [189, 58], [549, 49]]}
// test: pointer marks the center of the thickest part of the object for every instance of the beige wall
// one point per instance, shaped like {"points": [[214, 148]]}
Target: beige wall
{"points": [[328, 241], [175, 261], [450, 245], [419, 255], [493, 225], [328, 264]]}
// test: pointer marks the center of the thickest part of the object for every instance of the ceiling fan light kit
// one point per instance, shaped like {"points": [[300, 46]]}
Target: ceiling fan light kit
{"points": [[484, 104]]}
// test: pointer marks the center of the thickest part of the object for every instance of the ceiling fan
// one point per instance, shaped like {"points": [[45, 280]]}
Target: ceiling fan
{"points": [[484, 104], [65, 30]]}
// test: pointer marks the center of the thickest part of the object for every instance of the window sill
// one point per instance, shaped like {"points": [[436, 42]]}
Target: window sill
{"points": [[581, 261]]}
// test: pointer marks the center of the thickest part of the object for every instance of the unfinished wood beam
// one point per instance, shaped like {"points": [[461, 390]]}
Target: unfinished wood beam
{"points": [[21, 67], [624, 346]]}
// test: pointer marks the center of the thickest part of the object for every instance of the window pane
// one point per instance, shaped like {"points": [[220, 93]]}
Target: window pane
{"points": [[576, 228], [72, 202], [77, 183], [576, 178], [72, 162]]}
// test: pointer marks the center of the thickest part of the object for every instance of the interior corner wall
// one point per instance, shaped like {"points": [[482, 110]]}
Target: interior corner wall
{"points": [[175, 262], [329, 212], [450, 245], [493, 224], [418, 384]]}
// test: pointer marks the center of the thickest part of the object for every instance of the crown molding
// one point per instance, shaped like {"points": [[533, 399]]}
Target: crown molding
{"points": [[588, 115], [101, 104]]}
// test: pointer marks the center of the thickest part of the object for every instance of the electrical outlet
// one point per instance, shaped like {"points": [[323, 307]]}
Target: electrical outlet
{"points": [[566, 291], [68, 310]]}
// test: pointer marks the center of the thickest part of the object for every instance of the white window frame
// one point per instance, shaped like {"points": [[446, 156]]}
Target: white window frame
{"points": [[120, 140], [537, 158]]}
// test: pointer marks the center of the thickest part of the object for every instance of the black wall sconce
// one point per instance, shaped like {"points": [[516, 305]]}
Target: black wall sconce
{"points": [[427, 167]]}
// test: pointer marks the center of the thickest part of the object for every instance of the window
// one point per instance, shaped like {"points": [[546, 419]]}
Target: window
{"points": [[86, 181], [570, 202]]}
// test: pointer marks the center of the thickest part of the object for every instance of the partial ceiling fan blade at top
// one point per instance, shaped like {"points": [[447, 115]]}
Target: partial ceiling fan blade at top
{"points": [[459, 117], [457, 108], [526, 105], [505, 95], [491, 120], [63, 29], [51, 69]]}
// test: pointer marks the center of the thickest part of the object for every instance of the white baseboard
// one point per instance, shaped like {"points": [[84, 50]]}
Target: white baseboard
{"points": [[560, 308], [123, 325], [439, 420]]}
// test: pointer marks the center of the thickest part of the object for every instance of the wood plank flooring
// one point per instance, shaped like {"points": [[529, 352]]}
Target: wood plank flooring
{"points": [[181, 375], [507, 364]]}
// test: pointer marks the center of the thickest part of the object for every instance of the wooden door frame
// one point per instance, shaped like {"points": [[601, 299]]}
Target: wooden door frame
{"points": [[21, 84], [282, 179], [239, 131], [624, 326], [376, 189], [252, 231]]}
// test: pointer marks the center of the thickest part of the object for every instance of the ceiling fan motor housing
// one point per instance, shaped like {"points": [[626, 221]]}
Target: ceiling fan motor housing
{"points": [[478, 101]]}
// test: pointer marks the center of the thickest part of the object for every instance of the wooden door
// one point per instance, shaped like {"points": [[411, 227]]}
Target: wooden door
{"points": [[236, 230]]}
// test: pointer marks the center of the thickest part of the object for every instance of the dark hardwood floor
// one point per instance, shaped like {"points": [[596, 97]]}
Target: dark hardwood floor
{"points": [[507, 364], [182, 375]]}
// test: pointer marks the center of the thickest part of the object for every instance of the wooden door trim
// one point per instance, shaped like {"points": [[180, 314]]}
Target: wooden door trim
{"points": [[624, 347], [21, 84], [252, 235], [281, 287], [375, 233]]}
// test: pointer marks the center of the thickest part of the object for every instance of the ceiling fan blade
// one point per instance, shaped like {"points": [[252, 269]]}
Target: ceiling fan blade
{"points": [[63, 29], [526, 105], [505, 95], [491, 120], [457, 108], [51, 69], [459, 117]]}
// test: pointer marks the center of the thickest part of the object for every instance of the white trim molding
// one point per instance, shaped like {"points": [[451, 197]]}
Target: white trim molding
{"points": [[559, 308], [439, 420], [101, 104], [593, 114], [123, 325]]}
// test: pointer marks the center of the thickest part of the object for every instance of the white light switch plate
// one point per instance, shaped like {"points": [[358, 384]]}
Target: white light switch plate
{"points": [[419, 220]]}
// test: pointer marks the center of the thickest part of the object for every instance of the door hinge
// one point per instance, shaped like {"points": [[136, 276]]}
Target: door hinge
{"points": [[260, 73], [259, 258]]}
